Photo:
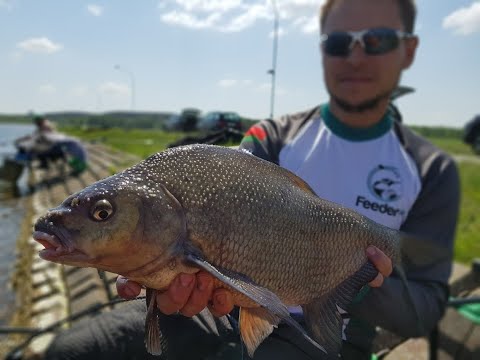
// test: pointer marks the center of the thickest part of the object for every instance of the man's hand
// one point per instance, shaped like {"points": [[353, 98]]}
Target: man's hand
{"points": [[383, 264], [191, 293], [188, 294]]}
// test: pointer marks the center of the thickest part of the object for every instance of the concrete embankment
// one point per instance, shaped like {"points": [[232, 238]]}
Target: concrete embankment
{"points": [[47, 292]]}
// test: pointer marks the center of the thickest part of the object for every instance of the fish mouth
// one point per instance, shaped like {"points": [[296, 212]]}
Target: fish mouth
{"points": [[55, 250]]}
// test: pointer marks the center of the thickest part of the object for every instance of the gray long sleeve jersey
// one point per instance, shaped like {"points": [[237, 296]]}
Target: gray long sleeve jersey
{"points": [[390, 175]]}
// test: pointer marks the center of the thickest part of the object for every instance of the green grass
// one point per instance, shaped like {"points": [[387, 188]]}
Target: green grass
{"points": [[451, 146], [146, 142], [467, 243], [135, 141]]}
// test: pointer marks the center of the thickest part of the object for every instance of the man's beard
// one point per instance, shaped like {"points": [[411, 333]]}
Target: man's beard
{"points": [[363, 106]]}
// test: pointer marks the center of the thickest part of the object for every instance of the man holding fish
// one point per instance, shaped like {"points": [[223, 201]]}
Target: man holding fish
{"points": [[351, 151]]}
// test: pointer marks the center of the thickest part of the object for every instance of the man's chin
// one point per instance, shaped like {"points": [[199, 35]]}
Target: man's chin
{"points": [[358, 107]]}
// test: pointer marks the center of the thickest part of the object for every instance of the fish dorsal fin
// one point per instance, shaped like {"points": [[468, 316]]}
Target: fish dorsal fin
{"points": [[257, 293], [324, 315], [300, 183], [153, 336], [255, 325]]}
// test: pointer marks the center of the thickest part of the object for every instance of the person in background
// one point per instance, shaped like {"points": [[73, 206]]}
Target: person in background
{"points": [[47, 145], [350, 150], [31, 145]]}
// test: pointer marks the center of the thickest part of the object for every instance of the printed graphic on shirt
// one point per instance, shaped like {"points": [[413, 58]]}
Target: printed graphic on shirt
{"points": [[386, 185]]}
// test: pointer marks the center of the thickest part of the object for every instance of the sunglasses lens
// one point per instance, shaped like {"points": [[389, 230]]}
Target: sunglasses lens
{"points": [[338, 44], [380, 41]]}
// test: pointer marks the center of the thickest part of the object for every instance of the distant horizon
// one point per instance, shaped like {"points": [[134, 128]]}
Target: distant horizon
{"points": [[214, 55]]}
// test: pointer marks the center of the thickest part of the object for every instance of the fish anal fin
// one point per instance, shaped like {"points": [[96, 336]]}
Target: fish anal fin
{"points": [[255, 325], [323, 315], [259, 295], [153, 336]]}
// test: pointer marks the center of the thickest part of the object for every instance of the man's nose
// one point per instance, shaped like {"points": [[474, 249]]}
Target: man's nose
{"points": [[357, 53]]}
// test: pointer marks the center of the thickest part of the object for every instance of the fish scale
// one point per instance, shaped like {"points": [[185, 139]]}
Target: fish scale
{"points": [[256, 227]]}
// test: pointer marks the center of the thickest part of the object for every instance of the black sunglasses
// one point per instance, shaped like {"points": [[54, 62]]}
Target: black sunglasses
{"points": [[376, 41]]}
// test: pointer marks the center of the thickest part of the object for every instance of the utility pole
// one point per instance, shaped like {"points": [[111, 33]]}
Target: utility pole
{"points": [[132, 83], [273, 70]]}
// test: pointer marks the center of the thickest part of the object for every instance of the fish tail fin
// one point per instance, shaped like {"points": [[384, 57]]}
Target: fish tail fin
{"points": [[419, 252], [324, 316]]}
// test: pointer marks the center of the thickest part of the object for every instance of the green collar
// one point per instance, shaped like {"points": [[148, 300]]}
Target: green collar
{"points": [[355, 134]]}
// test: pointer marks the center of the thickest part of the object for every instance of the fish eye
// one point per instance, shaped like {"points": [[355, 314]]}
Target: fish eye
{"points": [[102, 210]]}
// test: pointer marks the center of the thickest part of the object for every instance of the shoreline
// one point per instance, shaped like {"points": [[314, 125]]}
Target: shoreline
{"points": [[45, 292]]}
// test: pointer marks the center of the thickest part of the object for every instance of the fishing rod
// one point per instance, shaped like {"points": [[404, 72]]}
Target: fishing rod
{"points": [[17, 352]]}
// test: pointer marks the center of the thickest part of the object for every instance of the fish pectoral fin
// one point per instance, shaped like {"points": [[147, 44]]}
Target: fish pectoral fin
{"points": [[256, 324], [244, 285], [153, 336], [262, 296], [324, 315], [241, 283]]}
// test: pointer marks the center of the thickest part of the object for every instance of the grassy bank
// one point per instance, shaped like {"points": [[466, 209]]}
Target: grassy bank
{"points": [[146, 142]]}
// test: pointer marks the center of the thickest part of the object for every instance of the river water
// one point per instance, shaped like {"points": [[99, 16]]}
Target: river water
{"points": [[12, 212]]}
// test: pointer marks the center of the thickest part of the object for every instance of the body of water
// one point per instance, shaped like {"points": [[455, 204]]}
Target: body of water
{"points": [[12, 212]]}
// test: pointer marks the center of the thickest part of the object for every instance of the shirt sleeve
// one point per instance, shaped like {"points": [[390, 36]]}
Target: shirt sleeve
{"points": [[432, 217]]}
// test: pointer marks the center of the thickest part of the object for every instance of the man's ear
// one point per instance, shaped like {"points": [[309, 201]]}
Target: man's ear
{"points": [[411, 45]]}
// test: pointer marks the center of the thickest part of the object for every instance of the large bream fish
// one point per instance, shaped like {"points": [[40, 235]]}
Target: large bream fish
{"points": [[256, 227]]}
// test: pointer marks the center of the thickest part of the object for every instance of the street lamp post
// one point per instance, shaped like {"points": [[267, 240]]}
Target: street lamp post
{"points": [[132, 83], [273, 70]]}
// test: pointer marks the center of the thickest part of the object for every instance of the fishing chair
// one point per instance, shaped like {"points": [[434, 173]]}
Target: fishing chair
{"points": [[467, 306]]}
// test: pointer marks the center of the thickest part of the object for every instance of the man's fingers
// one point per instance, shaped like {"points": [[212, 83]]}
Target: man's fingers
{"points": [[200, 295], [127, 289], [377, 282], [381, 261], [175, 298], [222, 302]]}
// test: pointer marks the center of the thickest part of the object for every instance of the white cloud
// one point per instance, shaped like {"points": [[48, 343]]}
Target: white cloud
{"points": [[238, 15], [209, 5], [79, 91], [465, 20], [247, 18], [264, 87], [95, 10], [113, 88], [7, 4], [281, 32], [227, 83], [189, 20], [47, 89], [39, 45]]}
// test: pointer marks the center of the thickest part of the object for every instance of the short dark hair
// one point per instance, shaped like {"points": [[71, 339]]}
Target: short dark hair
{"points": [[38, 119], [408, 13]]}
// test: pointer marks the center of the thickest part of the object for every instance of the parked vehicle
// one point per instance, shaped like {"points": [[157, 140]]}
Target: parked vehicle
{"points": [[186, 121], [218, 120], [471, 134]]}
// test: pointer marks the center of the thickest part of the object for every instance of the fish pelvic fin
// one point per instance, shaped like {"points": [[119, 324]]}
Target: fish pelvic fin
{"points": [[256, 324], [153, 336], [324, 316], [270, 303]]}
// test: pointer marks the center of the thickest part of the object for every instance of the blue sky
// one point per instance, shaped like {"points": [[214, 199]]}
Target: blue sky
{"points": [[166, 55]]}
